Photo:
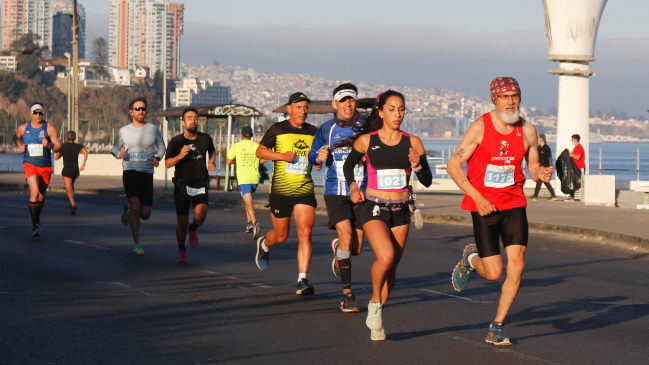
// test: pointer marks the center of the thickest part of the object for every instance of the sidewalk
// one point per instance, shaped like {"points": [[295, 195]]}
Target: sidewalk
{"points": [[627, 226]]}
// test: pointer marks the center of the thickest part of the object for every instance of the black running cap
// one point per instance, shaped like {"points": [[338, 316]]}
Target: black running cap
{"points": [[246, 131], [297, 97]]}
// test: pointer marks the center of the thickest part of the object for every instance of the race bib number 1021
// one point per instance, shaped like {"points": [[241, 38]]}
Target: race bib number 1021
{"points": [[391, 179]]}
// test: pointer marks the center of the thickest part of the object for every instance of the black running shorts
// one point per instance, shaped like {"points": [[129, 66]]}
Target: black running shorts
{"points": [[70, 172], [510, 225], [182, 199], [392, 217], [341, 208], [138, 184], [282, 206]]}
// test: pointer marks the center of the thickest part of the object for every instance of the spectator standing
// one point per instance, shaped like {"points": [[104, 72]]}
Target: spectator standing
{"points": [[579, 156], [545, 159]]}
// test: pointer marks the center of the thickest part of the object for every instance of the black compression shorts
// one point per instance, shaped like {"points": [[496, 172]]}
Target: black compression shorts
{"points": [[182, 199], [138, 184], [391, 216], [341, 208], [510, 225]]}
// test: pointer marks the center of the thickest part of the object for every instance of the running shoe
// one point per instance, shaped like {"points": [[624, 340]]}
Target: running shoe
{"points": [[36, 230], [348, 304], [262, 258], [419, 220], [257, 232], [137, 250], [378, 335], [496, 335], [193, 238], [334, 263], [463, 271], [249, 227], [534, 199], [554, 198], [125, 215], [73, 209], [304, 288], [182, 257], [570, 199], [374, 316]]}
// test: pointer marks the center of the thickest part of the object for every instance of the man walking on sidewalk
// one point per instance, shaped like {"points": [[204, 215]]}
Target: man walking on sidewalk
{"points": [[70, 152], [494, 147], [578, 155], [243, 153], [40, 140], [188, 152], [141, 147], [545, 159], [287, 144]]}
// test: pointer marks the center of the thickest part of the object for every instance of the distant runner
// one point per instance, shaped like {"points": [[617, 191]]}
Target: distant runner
{"points": [[391, 157], [141, 146], [287, 144], [494, 147], [342, 212], [40, 139], [243, 153], [188, 152], [70, 152]]}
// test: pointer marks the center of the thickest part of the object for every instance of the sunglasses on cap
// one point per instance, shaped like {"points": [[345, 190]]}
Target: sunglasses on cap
{"points": [[37, 113], [140, 108]]}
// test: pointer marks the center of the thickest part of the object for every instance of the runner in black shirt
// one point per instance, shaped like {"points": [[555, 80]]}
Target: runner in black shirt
{"points": [[187, 152], [70, 152], [545, 158]]}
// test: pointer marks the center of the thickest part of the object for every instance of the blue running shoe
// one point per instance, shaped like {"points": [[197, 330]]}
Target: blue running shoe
{"points": [[463, 271], [304, 288], [36, 230], [262, 258], [126, 218], [496, 335]]}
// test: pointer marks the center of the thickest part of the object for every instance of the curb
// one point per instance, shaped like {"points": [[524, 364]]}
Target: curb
{"points": [[583, 233]]}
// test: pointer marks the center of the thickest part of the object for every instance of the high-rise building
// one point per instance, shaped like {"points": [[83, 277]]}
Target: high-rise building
{"points": [[62, 28], [192, 91], [20, 17], [135, 37]]}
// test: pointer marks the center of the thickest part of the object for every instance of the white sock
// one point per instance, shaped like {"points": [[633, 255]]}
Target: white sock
{"points": [[469, 259], [263, 246], [301, 276]]}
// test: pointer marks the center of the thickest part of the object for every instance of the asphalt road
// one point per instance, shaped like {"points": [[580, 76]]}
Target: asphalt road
{"points": [[76, 295]]}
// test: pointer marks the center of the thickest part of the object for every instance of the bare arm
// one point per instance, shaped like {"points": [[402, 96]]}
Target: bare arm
{"points": [[18, 136], [210, 165], [85, 158], [536, 171], [57, 156], [228, 161], [51, 132], [361, 145], [265, 153], [470, 142]]}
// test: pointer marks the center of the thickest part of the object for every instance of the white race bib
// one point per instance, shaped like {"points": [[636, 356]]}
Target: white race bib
{"points": [[499, 176], [299, 166], [35, 150], [195, 191], [138, 154], [391, 179], [359, 172]]}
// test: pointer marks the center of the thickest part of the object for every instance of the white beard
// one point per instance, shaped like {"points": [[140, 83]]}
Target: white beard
{"points": [[509, 118]]}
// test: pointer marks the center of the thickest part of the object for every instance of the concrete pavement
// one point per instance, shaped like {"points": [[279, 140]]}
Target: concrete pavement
{"points": [[627, 227]]}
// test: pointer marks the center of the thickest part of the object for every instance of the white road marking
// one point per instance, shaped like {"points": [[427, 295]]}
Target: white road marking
{"points": [[87, 244], [618, 303], [455, 296], [236, 278], [132, 288], [13, 206]]}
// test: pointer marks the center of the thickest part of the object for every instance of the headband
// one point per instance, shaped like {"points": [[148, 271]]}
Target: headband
{"points": [[36, 107], [340, 95], [501, 85]]}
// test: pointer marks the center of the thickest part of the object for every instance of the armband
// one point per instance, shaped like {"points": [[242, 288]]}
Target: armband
{"points": [[353, 158]]}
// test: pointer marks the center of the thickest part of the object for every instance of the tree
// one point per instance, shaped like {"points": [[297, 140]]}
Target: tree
{"points": [[99, 56], [30, 53]]}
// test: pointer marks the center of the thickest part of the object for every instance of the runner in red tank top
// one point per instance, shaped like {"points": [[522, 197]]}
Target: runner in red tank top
{"points": [[494, 147]]}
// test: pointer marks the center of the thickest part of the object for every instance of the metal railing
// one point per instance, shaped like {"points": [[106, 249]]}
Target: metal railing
{"points": [[637, 170]]}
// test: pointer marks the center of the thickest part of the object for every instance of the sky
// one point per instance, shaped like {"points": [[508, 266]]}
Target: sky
{"points": [[445, 44]]}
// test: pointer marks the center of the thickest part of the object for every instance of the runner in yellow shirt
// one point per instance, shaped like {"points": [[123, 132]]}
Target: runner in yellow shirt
{"points": [[244, 154]]}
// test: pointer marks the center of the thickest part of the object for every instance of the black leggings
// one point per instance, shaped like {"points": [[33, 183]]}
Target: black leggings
{"points": [[538, 188], [510, 225]]}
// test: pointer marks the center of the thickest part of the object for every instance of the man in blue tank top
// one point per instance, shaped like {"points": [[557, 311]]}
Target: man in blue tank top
{"points": [[340, 209], [39, 140]]}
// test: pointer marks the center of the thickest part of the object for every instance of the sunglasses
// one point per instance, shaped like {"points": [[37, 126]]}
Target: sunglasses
{"points": [[37, 113], [140, 108]]}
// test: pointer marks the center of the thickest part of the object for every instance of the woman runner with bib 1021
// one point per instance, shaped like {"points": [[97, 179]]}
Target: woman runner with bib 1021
{"points": [[391, 156]]}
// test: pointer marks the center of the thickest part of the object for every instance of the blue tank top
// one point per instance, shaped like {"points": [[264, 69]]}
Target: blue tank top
{"points": [[35, 153]]}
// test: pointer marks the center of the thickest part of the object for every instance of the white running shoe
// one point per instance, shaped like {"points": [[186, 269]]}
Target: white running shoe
{"points": [[374, 316]]}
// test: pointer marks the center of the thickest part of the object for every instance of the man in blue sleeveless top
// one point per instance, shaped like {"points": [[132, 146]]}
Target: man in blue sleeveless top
{"points": [[39, 141], [340, 209]]}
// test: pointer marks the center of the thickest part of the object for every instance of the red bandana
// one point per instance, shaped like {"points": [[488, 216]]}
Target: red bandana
{"points": [[501, 85]]}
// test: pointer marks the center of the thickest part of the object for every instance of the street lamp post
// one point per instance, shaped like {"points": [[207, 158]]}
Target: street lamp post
{"points": [[68, 56]]}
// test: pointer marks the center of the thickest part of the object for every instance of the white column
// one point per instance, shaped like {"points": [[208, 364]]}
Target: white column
{"points": [[227, 148]]}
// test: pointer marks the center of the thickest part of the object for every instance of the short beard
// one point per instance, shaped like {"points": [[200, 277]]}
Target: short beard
{"points": [[508, 118], [192, 131]]}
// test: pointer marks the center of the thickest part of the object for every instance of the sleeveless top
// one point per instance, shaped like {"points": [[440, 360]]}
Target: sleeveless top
{"points": [[495, 168], [388, 167], [35, 153]]}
